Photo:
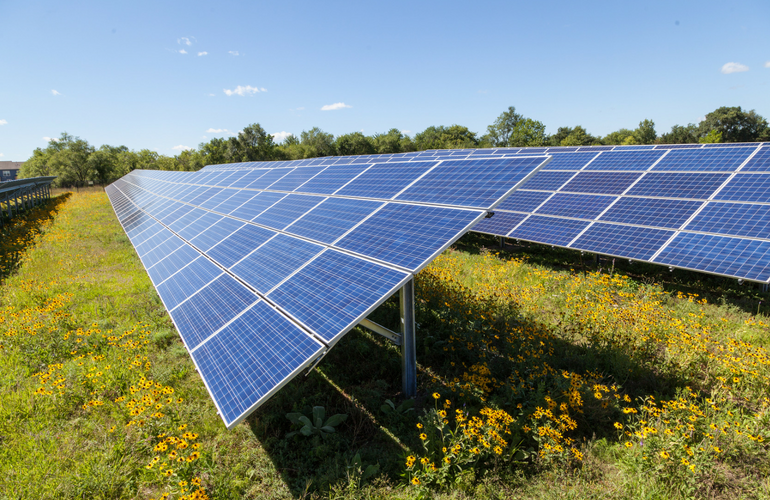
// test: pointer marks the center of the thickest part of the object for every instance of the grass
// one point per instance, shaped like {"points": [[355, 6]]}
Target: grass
{"points": [[622, 381]]}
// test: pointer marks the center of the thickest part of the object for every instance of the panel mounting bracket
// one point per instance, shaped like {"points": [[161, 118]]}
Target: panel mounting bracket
{"points": [[388, 334]]}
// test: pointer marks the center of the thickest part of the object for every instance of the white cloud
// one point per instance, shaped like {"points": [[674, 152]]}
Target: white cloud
{"points": [[767, 64], [49, 139], [181, 148], [336, 105], [1, 155], [734, 67], [220, 131], [241, 90], [185, 40], [233, 52], [3, 122], [212, 95], [204, 53], [281, 136], [406, 132], [182, 51], [55, 92]]}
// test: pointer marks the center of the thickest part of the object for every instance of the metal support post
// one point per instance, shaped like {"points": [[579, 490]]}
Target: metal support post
{"points": [[501, 242], [408, 341]]}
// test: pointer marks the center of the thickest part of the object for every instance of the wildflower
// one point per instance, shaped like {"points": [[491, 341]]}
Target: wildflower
{"points": [[419, 425], [436, 395], [423, 436], [415, 481]]}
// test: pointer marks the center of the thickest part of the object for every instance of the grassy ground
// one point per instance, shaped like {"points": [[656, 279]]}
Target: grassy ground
{"points": [[570, 381]]}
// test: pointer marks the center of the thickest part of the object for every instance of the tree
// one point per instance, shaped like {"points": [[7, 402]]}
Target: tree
{"points": [[645, 133], [735, 125], [575, 137], [317, 143], [617, 137], [354, 144], [528, 132], [499, 133], [454, 137], [679, 134], [69, 160], [393, 141], [102, 163], [251, 144], [713, 137]]}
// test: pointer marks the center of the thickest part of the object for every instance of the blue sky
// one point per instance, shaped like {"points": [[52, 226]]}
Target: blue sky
{"points": [[165, 75]]}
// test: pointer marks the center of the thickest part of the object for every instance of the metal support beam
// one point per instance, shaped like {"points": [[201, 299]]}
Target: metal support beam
{"points": [[408, 341], [371, 325]]}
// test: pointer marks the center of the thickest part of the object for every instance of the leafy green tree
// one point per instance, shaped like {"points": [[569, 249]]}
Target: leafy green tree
{"points": [[681, 134], [713, 137], [69, 160], [354, 144], [577, 136], [736, 125], [511, 129], [645, 133], [499, 133], [102, 163], [317, 143], [526, 133], [393, 141], [617, 137], [454, 137], [251, 144], [561, 134]]}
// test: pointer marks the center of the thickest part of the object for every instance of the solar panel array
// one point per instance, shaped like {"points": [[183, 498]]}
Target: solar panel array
{"points": [[264, 267]]}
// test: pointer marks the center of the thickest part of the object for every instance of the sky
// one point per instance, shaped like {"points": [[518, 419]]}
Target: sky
{"points": [[170, 75]]}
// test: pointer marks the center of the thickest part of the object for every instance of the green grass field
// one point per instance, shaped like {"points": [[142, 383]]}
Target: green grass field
{"points": [[541, 375]]}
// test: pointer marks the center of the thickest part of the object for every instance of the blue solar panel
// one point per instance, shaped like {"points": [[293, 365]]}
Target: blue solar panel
{"points": [[746, 187], [210, 309], [704, 160], [175, 261], [677, 185], [250, 177], [296, 178], [571, 161], [407, 235], [547, 181], [218, 198], [748, 259], [578, 206], [760, 162], [186, 220], [257, 205], [216, 233], [187, 281], [332, 218], [154, 256], [205, 195], [549, 230], [625, 160], [235, 200], [274, 261], [330, 294], [523, 201], [244, 363], [239, 244], [470, 183], [600, 182], [385, 180], [269, 178], [287, 210], [204, 222], [652, 212], [736, 219], [626, 241], [331, 179], [500, 224]]}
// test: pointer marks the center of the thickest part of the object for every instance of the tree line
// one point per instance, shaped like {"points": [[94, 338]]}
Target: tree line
{"points": [[75, 162]]}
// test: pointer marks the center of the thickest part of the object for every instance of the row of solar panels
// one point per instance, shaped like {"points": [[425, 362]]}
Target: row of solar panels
{"points": [[481, 153], [228, 258]]}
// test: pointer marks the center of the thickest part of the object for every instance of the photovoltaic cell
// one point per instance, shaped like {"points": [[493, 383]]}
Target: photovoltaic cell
{"points": [[239, 244], [407, 235], [296, 178], [571, 161], [274, 261], [625, 160], [244, 363], [216, 233], [255, 206], [652, 212], [600, 182], [549, 230], [181, 257], [523, 201], [578, 206], [187, 281], [736, 219], [210, 309], [704, 160], [331, 179], [626, 241], [749, 259], [760, 162], [287, 210], [385, 180], [499, 224], [331, 293], [746, 187], [547, 181], [678, 185], [269, 178], [332, 218]]}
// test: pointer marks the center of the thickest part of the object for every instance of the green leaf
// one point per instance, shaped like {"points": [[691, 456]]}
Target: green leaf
{"points": [[327, 428], [293, 417], [319, 413], [370, 471], [304, 420], [336, 420], [307, 430]]}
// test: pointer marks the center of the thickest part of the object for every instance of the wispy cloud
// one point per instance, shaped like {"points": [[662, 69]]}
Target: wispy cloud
{"points": [[767, 64], [49, 139], [185, 40], [181, 148], [336, 105], [406, 132], [204, 53], [281, 136], [1, 155], [212, 95], [3, 122], [55, 92], [734, 67], [233, 52], [220, 131], [247, 90], [182, 51]]}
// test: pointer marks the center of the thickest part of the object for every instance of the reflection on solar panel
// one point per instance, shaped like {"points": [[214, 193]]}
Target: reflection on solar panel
{"points": [[699, 207], [264, 266]]}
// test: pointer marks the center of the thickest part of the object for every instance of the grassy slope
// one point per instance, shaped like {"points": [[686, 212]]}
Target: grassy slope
{"points": [[82, 299]]}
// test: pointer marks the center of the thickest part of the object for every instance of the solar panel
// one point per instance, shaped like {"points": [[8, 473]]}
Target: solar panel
{"points": [[310, 246]]}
